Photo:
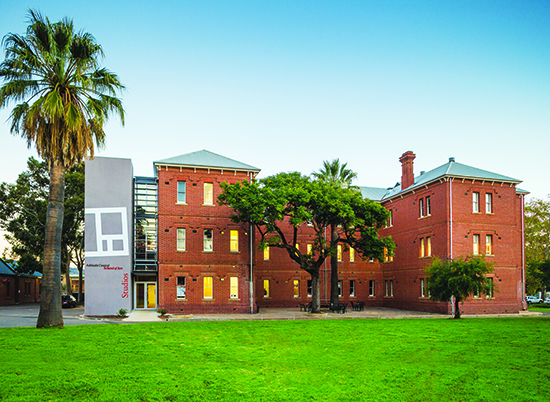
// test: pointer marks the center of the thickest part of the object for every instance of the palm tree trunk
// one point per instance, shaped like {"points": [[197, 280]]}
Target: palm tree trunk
{"points": [[334, 298], [315, 292], [50, 299]]}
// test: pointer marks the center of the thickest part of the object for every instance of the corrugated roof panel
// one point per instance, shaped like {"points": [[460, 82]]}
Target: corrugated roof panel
{"points": [[207, 159]]}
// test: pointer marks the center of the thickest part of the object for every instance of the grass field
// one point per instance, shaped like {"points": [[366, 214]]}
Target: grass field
{"points": [[481, 359]]}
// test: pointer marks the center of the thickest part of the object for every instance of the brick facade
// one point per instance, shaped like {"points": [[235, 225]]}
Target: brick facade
{"points": [[445, 228]]}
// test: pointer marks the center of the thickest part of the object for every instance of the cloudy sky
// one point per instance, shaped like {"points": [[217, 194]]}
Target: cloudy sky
{"points": [[284, 85]]}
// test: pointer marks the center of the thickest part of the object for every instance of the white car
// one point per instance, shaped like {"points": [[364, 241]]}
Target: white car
{"points": [[533, 299], [547, 300]]}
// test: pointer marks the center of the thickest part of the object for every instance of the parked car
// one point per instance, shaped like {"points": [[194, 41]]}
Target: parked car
{"points": [[547, 300], [533, 299], [68, 301]]}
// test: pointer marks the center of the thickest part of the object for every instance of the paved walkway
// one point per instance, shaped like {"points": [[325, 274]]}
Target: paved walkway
{"points": [[296, 314]]}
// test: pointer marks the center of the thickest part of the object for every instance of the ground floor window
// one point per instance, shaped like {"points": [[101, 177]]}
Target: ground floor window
{"points": [[422, 287], [490, 286], [352, 288], [340, 286], [309, 287], [180, 287], [266, 287], [296, 284], [208, 287], [371, 288], [234, 287]]}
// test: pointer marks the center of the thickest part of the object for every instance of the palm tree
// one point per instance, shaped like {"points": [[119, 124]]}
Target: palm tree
{"points": [[65, 99], [341, 176]]}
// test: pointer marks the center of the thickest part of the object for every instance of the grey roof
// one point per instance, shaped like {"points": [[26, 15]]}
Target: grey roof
{"points": [[5, 269], [452, 169], [373, 193], [206, 158]]}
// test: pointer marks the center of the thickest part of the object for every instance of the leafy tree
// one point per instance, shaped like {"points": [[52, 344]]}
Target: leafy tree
{"points": [[65, 99], [537, 276], [458, 279], [537, 230], [339, 175], [23, 216], [284, 205]]}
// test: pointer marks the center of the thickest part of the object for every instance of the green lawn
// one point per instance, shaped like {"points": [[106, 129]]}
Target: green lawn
{"points": [[477, 359]]}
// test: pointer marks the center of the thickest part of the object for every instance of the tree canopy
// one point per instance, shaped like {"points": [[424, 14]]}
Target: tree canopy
{"points": [[458, 279], [283, 205], [63, 99]]}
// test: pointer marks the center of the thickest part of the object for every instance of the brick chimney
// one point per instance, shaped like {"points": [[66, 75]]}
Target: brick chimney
{"points": [[407, 175]]}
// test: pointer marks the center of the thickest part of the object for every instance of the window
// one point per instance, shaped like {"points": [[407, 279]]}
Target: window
{"points": [[234, 287], [387, 258], [489, 244], [428, 246], [234, 241], [371, 259], [352, 288], [476, 244], [207, 240], [387, 288], [181, 192], [339, 252], [422, 248], [181, 239], [391, 288], [266, 254], [475, 202], [390, 223], [488, 203], [309, 249], [208, 287], [351, 255], [309, 288], [422, 287], [266, 287], [428, 206], [340, 285], [490, 288], [476, 293], [208, 194], [421, 202], [180, 287], [371, 288], [296, 288], [8, 289]]}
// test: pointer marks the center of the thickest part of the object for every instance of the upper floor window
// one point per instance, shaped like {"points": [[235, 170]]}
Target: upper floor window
{"points": [[488, 203], [390, 219], [476, 244], [422, 247], [208, 194], [428, 206], [309, 249], [428, 246], [181, 192], [181, 239], [233, 287], [351, 254], [208, 244], [475, 202], [234, 240], [339, 252], [489, 244], [266, 254], [421, 207]]}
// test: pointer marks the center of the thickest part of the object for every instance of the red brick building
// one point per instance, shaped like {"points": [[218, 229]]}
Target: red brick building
{"points": [[18, 288], [205, 261]]}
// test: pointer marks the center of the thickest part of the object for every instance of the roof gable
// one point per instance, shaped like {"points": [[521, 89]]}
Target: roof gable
{"points": [[5, 269], [204, 158]]}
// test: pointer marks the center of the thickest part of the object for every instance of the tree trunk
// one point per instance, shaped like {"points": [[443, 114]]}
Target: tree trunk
{"points": [[457, 308], [50, 299], [68, 274], [334, 297], [315, 292]]}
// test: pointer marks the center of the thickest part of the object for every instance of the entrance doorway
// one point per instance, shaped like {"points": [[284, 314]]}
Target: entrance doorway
{"points": [[145, 295]]}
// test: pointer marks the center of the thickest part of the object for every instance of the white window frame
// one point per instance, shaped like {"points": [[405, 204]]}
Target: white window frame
{"points": [[476, 240], [183, 194], [475, 202], [488, 203], [181, 240], [234, 241], [372, 291], [208, 193], [233, 287], [181, 290], [208, 242]]}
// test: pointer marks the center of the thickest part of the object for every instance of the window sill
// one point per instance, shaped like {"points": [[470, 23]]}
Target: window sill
{"points": [[181, 251], [208, 300], [489, 255], [489, 213], [181, 203], [424, 257], [424, 217], [234, 299], [208, 205], [235, 252], [208, 252], [180, 300]]}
